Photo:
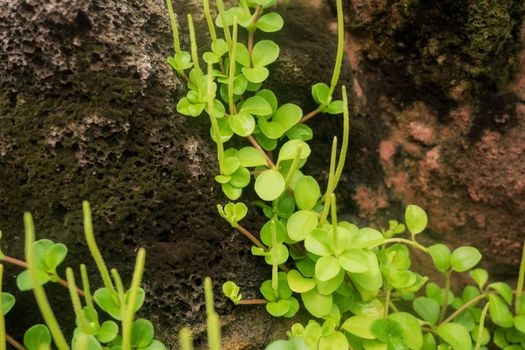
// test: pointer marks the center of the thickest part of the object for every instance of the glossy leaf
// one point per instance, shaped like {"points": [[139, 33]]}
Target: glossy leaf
{"points": [[264, 53], [326, 268], [306, 192], [412, 333], [455, 335], [318, 242], [256, 105], [8, 301], [37, 338], [266, 233], [256, 75], [141, 333], [250, 157], [440, 256], [427, 308], [503, 289], [270, 97], [270, 22], [499, 312], [288, 151], [316, 304], [55, 255], [300, 132], [242, 123], [300, 224], [107, 332], [320, 93], [416, 219], [272, 130], [269, 185], [464, 258], [288, 115], [359, 325], [298, 283], [354, 260], [24, 281], [480, 276]]}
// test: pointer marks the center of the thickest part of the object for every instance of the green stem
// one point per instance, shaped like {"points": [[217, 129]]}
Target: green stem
{"points": [[464, 307], [194, 53], [121, 294], [521, 280], [275, 266], [214, 327], [93, 248], [346, 136], [294, 166], [185, 339], [175, 30], [481, 325], [75, 299], [209, 20], [213, 120], [340, 48], [85, 286], [387, 300], [129, 314], [405, 241], [2, 320], [226, 29], [333, 205], [38, 290], [328, 194], [445, 301], [231, 74]]}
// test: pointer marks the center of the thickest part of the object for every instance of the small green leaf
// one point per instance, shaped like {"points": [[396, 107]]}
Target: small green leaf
{"points": [[412, 333], [155, 345], [335, 107], [250, 157], [231, 290], [107, 332], [300, 132], [416, 219], [503, 289], [184, 106], [480, 276], [224, 130], [354, 260], [288, 115], [427, 308], [37, 338], [318, 242], [288, 151], [336, 340], [440, 256], [24, 281], [219, 47], [326, 268], [519, 323], [210, 57], [264, 53], [298, 283], [230, 165], [300, 224], [359, 325], [242, 124], [233, 193], [272, 130], [317, 304], [278, 255], [270, 22], [269, 96], [257, 106], [456, 335], [242, 55], [306, 193], [320, 93], [386, 330], [7, 300], [499, 312], [55, 255], [277, 308], [256, 74], [464, 258], [367, 237], [266, 233], [269, 185], [142, 333], [240, 178]]}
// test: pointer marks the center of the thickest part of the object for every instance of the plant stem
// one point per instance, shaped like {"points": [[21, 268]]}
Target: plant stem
{"points": [[2, 320], [481, 325], [445, 301], [185, 339], [251, 237], [77, 306], [12, 341], [93, 248], [129, 314], [85, 285], [231, 75], [334, 220], [310, 115], [38, 290], [340, 47], [328, 194], [393, 306], [346, 136], [521, 280], [222, 13], [213, 120], [275, 267], [464, 307], [214, 326], [253, 302], [175, 30], [261, 151], [405, 241], [209, 21], [294, 166], [387, 300], [251, 32]]}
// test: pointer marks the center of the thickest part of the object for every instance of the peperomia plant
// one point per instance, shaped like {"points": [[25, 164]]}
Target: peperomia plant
{"points": [[357, 283]]}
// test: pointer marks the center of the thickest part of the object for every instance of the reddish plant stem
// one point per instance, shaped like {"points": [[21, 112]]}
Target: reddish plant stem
{"points": [[14, 343], [23, 264], [310, 115], [251, 237], [254, 302], [259, 148]]}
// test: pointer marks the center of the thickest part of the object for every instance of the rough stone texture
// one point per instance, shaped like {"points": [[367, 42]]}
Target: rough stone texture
{"points": [[445, 80], [86, 112]]}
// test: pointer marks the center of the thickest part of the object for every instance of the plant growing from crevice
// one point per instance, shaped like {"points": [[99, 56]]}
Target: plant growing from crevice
{"points": [[357, 283]]}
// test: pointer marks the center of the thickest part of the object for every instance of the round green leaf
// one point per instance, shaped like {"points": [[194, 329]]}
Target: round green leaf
{"points": [[155, 345], [386, 330], [256, 74], [440, 256], [270, 22], [300, 224], [456, 335], [519, 323], [210, 57], [354, 260], [24, 281], [336, 340], [288, 115], [240, 178], [184, 106], [264, 53], [242, 55], [480, 276], [141, 333], [233, 193], [298, 283], [55, 255], [416, 219], [272, 130], [230, 165], [330, 286], [107, 331], [367, 237], [464, 258], [427, 308], [288, 151], [278, 255], [219, 47], [306, 192], [327, 267], [242, 124], [335, 107], [320, 93], [250, 157], [359, 325], [318, 242], [224, 130], [37, 337], [269, 185], [412, 334], [266, 233], [256, 105], [499, 312], [269, 96], [317, 304], [277, 308], [7, 301], [300, 132], [503, 289]]}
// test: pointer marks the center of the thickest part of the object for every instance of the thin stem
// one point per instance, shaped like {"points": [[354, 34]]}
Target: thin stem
{"points": [[521, 280], [12, 341], [405, 241], [481, 325], [214, 327], [393, 306], [333, 205], [129, 314], [340, 48], [252, 27], [93, 248], [310, 115], [275, 267], [464, 307], [2, 320], [38, 290], [387, 300], [194, 52], [251, 237], [225, 27], [213, 120], [77, 306], [328, 194], [231, 75], [294, 166], [185, 339], [209, 20], [253, 302], [261, 151], [346, 136], [120, 293], [85, 285], [175, 30], [445, 301]]}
